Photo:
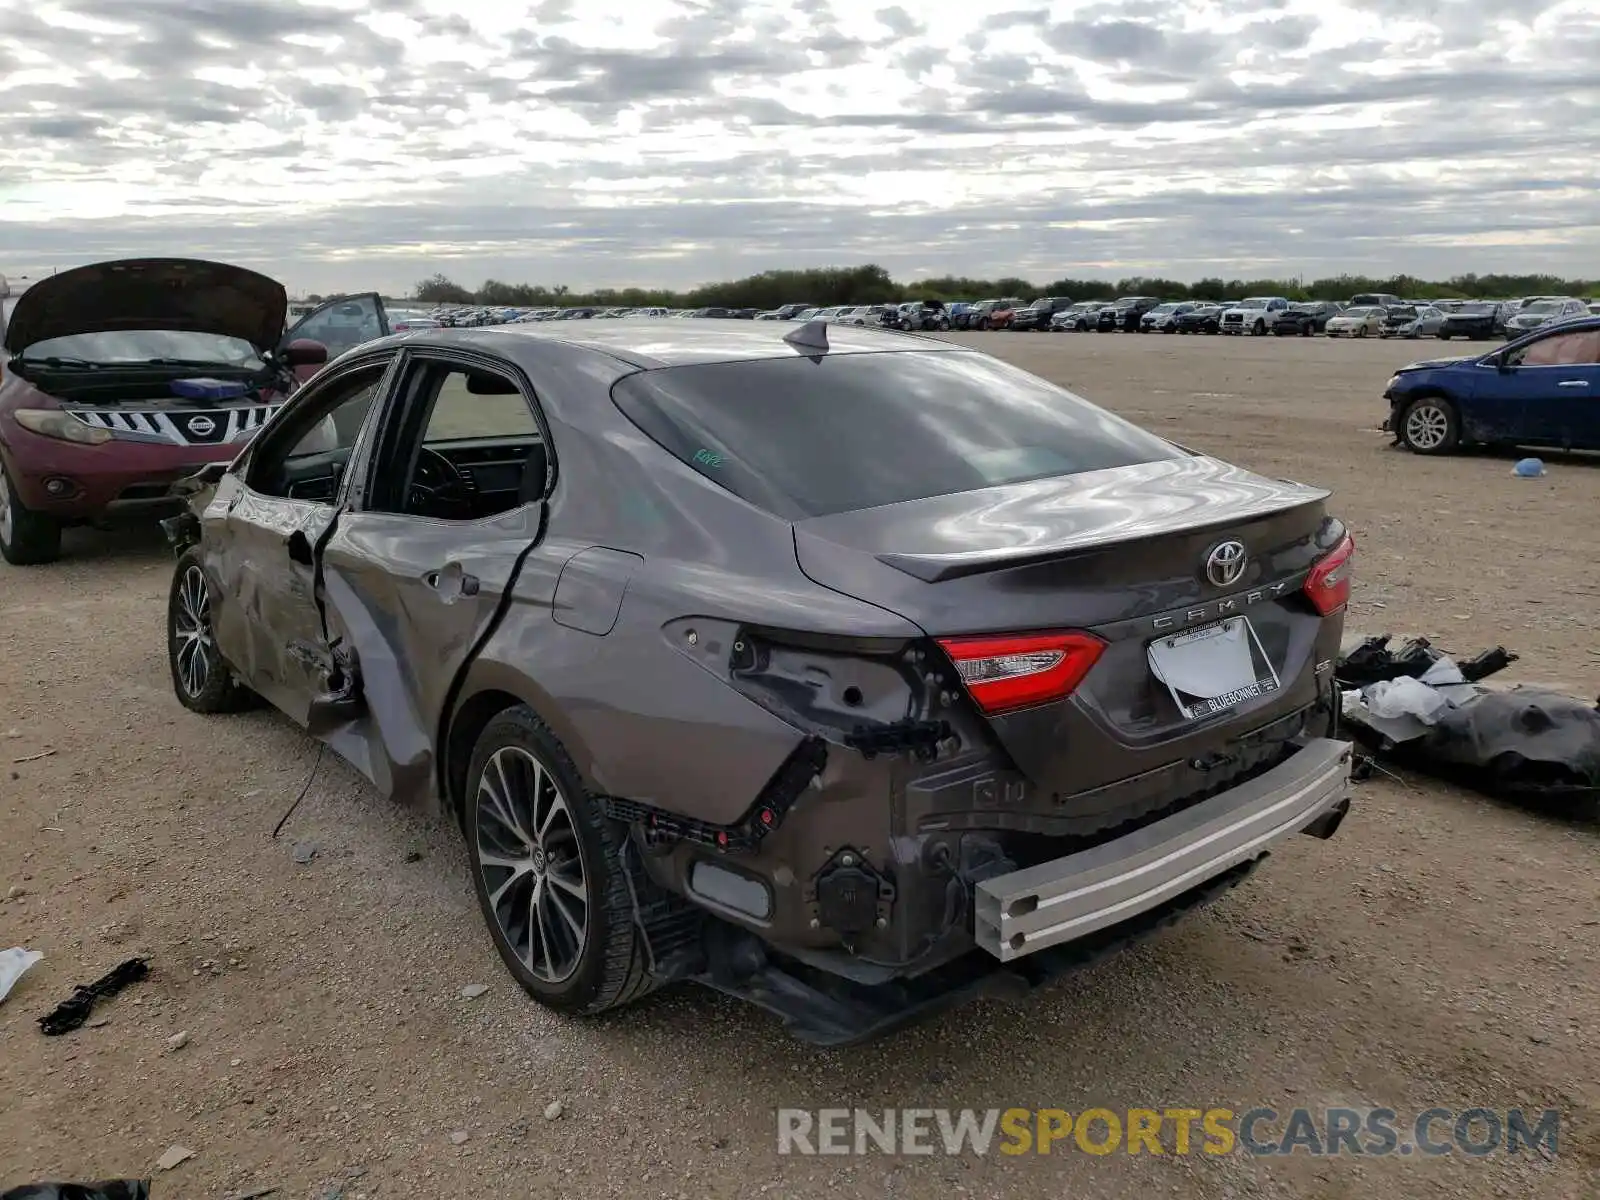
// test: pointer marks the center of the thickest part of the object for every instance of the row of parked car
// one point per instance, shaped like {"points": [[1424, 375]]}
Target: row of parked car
{"points": [[1367, 315], [915, 314]]}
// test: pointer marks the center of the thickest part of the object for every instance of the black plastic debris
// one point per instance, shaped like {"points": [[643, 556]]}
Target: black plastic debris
{"points": [[111, 1189], [1373, 662], [1418, 707], [1529, 744], [75, 1009]]}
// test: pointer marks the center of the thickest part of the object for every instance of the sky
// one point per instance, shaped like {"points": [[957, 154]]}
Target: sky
{"points": [[341, 145]]}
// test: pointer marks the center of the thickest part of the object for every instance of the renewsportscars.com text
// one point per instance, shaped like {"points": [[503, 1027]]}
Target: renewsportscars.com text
{"points": [[1473, 1132]]}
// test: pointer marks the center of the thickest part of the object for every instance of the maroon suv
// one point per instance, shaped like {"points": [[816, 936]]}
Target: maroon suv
{"points": [[121, 378]]}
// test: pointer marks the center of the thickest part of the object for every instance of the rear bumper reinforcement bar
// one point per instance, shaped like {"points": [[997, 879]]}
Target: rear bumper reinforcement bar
{"points": [[1067, 898]]}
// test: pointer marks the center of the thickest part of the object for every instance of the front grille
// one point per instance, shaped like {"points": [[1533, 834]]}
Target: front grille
{"points": [[180, 427], [1233, 319]]}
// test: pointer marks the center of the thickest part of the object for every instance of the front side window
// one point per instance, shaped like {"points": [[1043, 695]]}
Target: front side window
{"points": [[921, 424], [309, 457], [343, 325], [1580, 348]]}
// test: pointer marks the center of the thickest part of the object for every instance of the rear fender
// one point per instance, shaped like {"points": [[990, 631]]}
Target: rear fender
{"points": [[488, 687]]}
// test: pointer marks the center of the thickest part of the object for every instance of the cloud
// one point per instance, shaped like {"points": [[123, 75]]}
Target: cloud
{"points": [[372, 142]]}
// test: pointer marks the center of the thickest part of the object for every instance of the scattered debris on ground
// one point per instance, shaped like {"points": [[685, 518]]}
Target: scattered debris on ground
{"points": [[304, 852], [473, 990], [73, 1011], [174, 1155], [13, 964], [1417, 706]]}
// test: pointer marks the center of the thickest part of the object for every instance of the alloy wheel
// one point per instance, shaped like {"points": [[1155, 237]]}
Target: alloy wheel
{"points": [[191, 627], [532, 864], [1427, 426]]}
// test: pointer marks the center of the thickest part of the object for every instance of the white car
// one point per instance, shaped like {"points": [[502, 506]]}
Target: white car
{"points": [[1255, 315], [1356, 322]]}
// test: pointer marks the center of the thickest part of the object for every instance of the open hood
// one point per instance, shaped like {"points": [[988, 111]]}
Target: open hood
{"points": [[151, 293]]}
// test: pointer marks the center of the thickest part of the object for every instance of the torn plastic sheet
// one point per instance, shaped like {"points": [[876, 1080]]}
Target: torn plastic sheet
{"points": [[110, 1189], [1423, 709], [13, 964]]}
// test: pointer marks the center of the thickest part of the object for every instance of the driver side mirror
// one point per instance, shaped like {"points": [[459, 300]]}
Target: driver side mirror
{"points": [[303, 352]]}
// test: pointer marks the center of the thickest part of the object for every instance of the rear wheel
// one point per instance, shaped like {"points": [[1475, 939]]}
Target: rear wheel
{"points": [[27, 538], [1429, 426], [547, 868], [201, 677]]}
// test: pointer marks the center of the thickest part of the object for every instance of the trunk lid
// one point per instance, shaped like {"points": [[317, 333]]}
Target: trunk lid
{"points": [[1122, 554], [151, 293]]}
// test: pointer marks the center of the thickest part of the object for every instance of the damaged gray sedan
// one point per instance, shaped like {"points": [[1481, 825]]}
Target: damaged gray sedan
{"points": [[849, 672]]}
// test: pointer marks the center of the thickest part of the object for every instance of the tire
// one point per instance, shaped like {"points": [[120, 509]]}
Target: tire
{"points": [[27, 538], [1361, 331], [202, 679], [1430, 425], [983, 325], [1306, 330], [605, 967], [1259, 328]]}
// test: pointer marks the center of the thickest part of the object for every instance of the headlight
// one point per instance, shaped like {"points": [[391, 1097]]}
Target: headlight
{"points": [[53, 423]]}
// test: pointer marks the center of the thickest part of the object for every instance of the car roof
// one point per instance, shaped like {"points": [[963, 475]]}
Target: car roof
{"points": [[651, 343]]}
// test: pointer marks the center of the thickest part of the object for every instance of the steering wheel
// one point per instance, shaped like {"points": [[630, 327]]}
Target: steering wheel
{"points": [[437, 488]]}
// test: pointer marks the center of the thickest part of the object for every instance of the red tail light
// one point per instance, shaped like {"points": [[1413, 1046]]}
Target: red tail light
{"points": [[1328, 585], [1011, 671]]}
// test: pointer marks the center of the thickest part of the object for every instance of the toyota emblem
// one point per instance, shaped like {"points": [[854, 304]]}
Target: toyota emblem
{"points": [[1226, 563], [201, 426]]}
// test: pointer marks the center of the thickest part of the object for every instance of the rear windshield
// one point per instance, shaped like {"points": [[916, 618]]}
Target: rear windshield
{"points": [[804, 437]]}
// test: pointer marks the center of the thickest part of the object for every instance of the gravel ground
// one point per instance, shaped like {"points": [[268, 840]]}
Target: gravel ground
{"points": [[1441, 950]]}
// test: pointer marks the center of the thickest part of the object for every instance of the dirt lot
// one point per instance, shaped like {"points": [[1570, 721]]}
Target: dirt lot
{"points": [[1441, 950]]}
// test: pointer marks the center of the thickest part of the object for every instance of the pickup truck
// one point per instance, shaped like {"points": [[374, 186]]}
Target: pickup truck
{"points": [[1255, 315]]}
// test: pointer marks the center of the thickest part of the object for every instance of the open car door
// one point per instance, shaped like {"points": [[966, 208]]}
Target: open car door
{"points": [[342, 324]]}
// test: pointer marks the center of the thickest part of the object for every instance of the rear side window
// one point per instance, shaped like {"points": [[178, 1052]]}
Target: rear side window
{"points": [[805, 437]]}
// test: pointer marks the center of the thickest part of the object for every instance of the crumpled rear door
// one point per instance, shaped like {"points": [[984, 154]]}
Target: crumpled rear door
{"points": [[414, 599]]}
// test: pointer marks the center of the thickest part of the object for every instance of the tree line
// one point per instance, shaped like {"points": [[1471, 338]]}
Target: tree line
{"points": [[872, 284]]}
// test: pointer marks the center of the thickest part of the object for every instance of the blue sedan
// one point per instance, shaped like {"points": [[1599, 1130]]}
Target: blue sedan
{"points": [[1539, 390]]}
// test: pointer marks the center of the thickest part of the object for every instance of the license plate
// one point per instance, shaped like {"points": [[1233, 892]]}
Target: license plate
{"points": [[1214, 668]]}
